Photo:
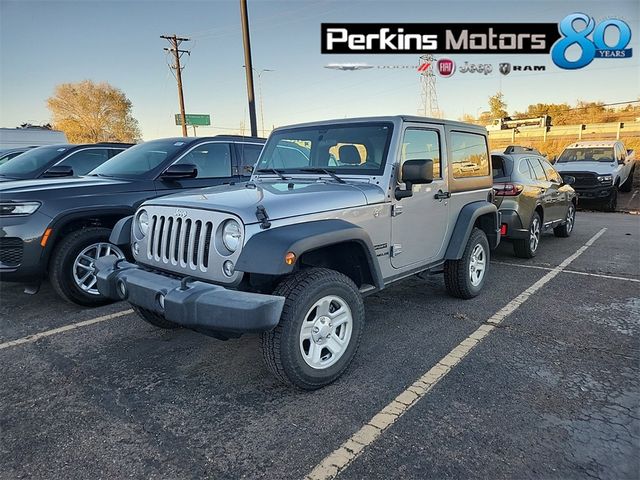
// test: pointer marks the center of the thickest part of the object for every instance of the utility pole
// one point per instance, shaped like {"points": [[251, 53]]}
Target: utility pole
{"points": [[175, 42], [249, 67]]}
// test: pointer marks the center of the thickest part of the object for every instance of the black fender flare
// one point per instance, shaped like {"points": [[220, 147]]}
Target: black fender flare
{"points": [[264, 252], [121, 232], [464, 225]]}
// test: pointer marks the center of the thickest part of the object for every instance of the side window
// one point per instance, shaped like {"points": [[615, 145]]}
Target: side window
{"points": [[83, 161], [552, 174], [249, 154], [525, 169], [497, 165], [469, 156], [419, 144], [213, 160], [538, 171]]}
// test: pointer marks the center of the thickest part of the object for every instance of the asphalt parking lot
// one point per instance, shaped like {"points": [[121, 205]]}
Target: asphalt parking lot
{"points": [[552, 391]]}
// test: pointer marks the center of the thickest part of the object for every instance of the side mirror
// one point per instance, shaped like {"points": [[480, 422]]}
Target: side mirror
{"points": [[414, 172], [59, 171], [553, 159], [180, 170], [568, 180]]}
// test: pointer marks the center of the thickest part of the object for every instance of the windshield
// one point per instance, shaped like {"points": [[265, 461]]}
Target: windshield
{"points": [[140, 159], [603, 154], [31, 161], [342, 149]]}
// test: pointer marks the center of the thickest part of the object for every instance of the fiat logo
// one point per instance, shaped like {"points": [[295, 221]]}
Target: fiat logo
{"points": [[446, 67]]}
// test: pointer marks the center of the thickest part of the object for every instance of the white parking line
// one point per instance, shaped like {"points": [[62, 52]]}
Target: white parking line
{"points": [[575, 272], [37, 336], [340, 459]]}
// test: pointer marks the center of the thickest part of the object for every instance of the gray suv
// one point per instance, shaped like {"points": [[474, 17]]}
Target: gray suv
{"points": [[334, 211]]}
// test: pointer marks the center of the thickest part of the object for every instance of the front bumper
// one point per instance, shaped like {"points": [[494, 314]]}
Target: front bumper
{"points": [[515, 229], [22, 258], [593, 193], [197, 305]]}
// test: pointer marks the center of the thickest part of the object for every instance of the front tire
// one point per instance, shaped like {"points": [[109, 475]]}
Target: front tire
{"points": [[528, 247], [319, 330], [71, 265], [628, 183], [464, 278], [612, 201], [154, 318], [566, 228]]}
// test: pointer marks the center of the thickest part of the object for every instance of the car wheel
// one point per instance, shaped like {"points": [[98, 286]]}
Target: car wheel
{"points": [[628, 183], [465, 277], [72, 262], [154, 318], [566, 228], [528, 247], [319, 329], [612, 201]]}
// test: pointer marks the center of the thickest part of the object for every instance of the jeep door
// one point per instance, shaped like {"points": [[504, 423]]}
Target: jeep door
{"points": [[213, 161], [419, 223]]}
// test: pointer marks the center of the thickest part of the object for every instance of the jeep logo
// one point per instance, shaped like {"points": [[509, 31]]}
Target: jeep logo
{"points": [[181, 213]]}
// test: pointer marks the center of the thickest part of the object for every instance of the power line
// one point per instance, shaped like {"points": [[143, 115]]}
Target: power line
{"points": [[175, 42]]}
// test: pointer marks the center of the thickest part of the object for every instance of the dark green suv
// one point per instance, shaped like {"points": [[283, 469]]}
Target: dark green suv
{"points": [[532, 198]]}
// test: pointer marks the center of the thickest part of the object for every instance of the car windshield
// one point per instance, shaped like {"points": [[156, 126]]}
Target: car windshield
{"points": [[139, 159], [32, 161], [603, 154], [342, 149]]}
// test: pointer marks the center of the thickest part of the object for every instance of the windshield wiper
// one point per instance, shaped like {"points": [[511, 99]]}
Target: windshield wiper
{"points": [[325, 171], [272, 170]]}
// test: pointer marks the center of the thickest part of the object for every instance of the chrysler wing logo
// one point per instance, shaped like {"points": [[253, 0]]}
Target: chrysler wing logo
{"points": [[181, 213], [504, 68]]}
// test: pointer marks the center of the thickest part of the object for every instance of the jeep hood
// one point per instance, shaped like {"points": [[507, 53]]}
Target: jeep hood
{"points": [[599, 168], [280, 199]]}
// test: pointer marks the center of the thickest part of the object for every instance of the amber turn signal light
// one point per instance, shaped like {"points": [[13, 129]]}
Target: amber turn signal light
{"points": [[45, 237], [290, 258]]}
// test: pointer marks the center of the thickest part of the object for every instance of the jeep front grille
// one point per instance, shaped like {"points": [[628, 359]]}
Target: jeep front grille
{"points": [[180, 240], [185, 241]]}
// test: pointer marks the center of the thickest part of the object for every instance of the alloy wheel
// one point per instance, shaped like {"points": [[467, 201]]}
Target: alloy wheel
{"points": [[534, 234], [326, 332], [571, 216], [477, 265], [84, 264]]}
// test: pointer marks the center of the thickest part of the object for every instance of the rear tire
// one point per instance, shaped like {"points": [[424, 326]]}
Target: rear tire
{"points": [[154, 318], [323, 313], [566, 228], [628, 183], [612, 201], [64, 266], [462, 277], [528, 247]]}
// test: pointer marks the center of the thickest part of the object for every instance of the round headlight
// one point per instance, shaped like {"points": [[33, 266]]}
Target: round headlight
{"points": [[231, 235], [143, 222]]}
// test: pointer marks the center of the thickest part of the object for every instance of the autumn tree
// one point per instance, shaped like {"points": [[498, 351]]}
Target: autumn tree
{"points": [[497, 106], [89, 112]]}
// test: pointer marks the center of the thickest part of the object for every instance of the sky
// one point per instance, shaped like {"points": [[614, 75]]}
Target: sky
{"points": [[45, 43]]}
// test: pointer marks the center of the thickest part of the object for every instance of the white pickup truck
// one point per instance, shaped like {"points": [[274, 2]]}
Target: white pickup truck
{"points": [[600, 170]]}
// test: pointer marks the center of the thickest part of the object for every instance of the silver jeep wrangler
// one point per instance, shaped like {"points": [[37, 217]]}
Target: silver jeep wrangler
{"points": [[334, 211]]}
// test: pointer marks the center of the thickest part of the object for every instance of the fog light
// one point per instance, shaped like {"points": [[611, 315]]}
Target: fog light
{"points": [[136, 248], [122, 289], [161, 300], [228, 268]]}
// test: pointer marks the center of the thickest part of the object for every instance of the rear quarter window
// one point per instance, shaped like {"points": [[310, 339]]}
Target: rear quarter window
{"points": [[469, 155]]}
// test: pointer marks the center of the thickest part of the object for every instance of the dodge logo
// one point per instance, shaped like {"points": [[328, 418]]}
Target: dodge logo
{"points": [[181, 213]]}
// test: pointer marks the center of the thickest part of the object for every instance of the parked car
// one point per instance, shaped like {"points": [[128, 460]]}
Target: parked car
{"points": [[532, 198], [600, 169], [291, 253], [9, 153], [58, 228], [59, 161]]}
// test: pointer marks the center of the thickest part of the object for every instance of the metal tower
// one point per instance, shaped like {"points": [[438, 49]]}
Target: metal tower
{"points": [[429, 96]]}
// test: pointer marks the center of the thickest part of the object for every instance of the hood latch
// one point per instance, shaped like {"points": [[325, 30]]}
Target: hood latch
{"points": [[263, 217]]}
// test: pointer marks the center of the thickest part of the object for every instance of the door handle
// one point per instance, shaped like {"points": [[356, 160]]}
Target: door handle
{"points": [[442, 195]]}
